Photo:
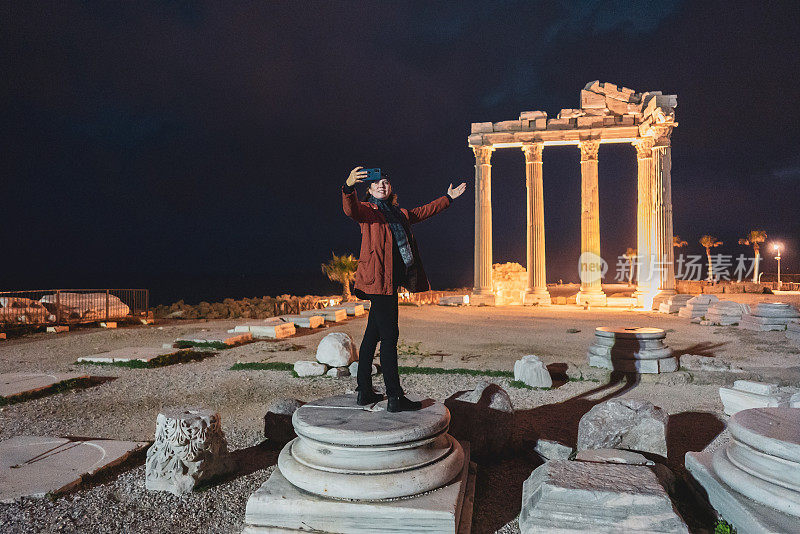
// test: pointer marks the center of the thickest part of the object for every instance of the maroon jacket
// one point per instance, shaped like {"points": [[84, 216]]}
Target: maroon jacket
{"points": [[374, 272]]}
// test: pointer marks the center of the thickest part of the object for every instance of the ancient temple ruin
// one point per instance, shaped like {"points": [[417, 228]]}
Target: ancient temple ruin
{"points": [[607, 114]]}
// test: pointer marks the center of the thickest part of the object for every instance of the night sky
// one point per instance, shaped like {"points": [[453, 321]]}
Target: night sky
{"points": [[199, 148]]}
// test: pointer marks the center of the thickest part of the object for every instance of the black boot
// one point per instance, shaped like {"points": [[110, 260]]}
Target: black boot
{"points": [[402, 404], [368, 397]]}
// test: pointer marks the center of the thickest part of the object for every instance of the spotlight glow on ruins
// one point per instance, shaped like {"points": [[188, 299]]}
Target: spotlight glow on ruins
{"points": [[607, 114]]}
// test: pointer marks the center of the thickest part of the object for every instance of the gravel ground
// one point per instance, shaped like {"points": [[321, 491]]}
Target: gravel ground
{"points": [[479, 338]]}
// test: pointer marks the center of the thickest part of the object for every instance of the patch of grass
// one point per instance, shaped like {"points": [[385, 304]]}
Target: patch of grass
{"points": [[184, 356], [410, 349], [218, 345], [262, 366], [519, 384], [442, 371], [581, 378], [723, 527], [58, 387]]}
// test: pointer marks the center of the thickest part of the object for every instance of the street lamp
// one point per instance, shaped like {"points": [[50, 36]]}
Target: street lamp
{"points": [[777, 247]]}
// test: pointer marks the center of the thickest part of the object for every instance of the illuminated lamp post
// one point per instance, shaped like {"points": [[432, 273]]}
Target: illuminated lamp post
{"points": [[778, 257]]}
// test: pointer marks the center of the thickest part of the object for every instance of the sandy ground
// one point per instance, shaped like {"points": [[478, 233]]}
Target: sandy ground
{"points": [[430, 336]]}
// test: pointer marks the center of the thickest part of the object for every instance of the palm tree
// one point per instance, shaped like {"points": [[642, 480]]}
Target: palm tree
{"points": [[630, 255], [754, 238], [709, 242], [341, 269]]}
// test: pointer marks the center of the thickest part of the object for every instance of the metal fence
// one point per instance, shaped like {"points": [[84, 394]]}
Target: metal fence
{"points": [[71, 306]]}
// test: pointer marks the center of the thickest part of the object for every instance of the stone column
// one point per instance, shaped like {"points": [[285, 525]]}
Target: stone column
{"points": [[536, 289], [664, 256], [483, 291], [590, 262], [644, 222]]}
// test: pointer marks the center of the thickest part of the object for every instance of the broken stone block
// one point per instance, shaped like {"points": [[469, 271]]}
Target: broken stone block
{"points": [[482, 127], [506, 126], [353, 309], [338, 372], [108, 324], [304, 321], [570, 113], [2, 335], [337, 349], [189, 448], [750, 476], [14, 384], [617, 107], [552, 450], [769, 316], [697, 306], [566, 497], [139, 354], [538, 124], [35, 466], [609, 121], [533, 115], [590, 122], [531, 371], [330, 314], [673, 303], [306, 368], [590, 99], [612, 456], [354, 369], [484, 417], [624, 424], [278, 420], [220, 339], [746, 394], [726, 313], [558, 124], [57, 329], [697, 362], [454, 300], [270, 329]]}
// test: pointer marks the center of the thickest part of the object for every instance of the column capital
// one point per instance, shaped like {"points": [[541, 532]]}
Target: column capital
{"points": [[533, 152], [662, 135], [589, 150], [644, 147], [483, 154]]}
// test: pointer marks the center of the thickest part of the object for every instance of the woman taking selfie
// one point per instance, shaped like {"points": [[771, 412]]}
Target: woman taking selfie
{"points": [[389, 259]]}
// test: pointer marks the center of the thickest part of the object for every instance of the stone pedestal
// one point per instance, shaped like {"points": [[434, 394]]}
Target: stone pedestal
{"points": [[726, 313], [753, 479], [635, 350], [189, 448], [769, 316], [697, 306], [355, 469]]}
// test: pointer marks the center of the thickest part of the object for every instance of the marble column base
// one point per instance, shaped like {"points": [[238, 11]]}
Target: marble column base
{"points": [[591, 298], [481, 299], [280, 507], [537, 298]]}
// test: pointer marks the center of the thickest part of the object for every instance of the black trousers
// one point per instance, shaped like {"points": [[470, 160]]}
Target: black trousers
{"points": [[381, 326]]}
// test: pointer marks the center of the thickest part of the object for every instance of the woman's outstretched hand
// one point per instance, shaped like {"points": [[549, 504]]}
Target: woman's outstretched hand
{"points": [[356, 176], [456, 192]]}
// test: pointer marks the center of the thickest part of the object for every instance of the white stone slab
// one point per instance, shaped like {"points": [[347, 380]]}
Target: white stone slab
{"points": [[674, 303], [278, 506], [356, 310], [141, 354], [755, 387], [57, 329], [12, 384], [304, 321], [365, 303], [275, 329], [218, 337], [454, 300], [35, 466], [531, 371], [571, 497], [306, 368], [333, 315]]}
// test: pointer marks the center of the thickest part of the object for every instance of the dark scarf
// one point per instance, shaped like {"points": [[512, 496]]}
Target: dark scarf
{"points": [[397, 224]]}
